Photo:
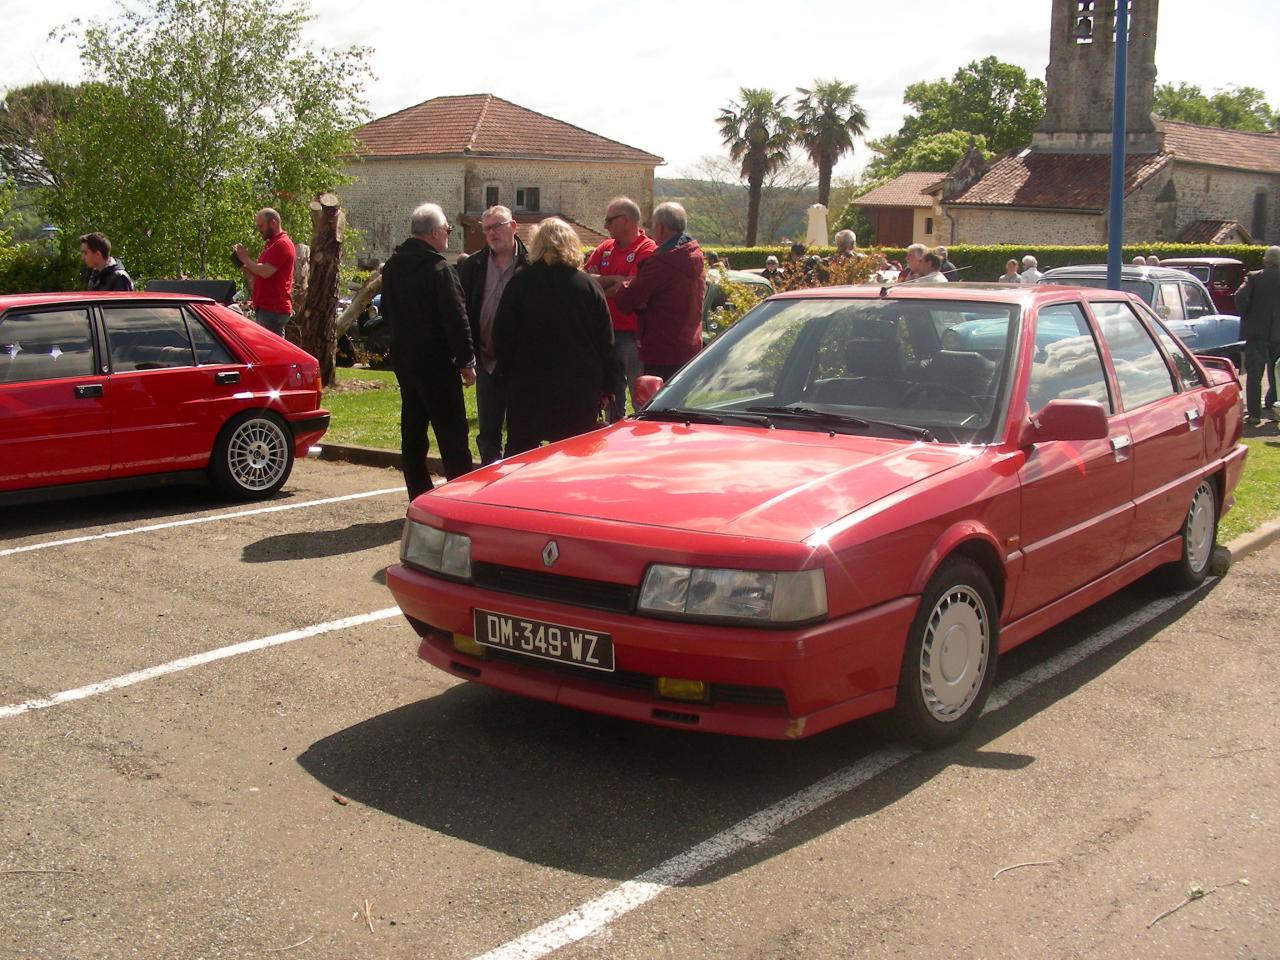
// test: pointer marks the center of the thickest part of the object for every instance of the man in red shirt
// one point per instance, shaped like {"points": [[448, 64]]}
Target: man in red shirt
{"points": [[271, 277], [613, 261]]}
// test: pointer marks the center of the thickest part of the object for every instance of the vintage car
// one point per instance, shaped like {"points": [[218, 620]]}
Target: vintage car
{"points": [[1177, 296], [1221, 276], [831, 513], [99, 391], [715, 298]]}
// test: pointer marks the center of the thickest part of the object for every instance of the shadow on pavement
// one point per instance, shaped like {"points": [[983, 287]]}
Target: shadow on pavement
{"points": [[310, 544], [608, 798]]}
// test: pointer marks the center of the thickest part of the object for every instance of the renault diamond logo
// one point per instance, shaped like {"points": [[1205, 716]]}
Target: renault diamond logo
{"points": [[550, 554]]}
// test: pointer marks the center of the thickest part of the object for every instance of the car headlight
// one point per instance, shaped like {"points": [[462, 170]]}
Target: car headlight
{"points": [[431, 549], [699, 592]]}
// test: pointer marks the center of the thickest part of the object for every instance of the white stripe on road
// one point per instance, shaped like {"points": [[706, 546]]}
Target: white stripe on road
{"points": [[196, 660], [595, 915], [191, 521]]}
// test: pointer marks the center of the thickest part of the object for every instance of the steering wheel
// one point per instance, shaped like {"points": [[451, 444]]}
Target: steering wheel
{"points": [[923, 389]]}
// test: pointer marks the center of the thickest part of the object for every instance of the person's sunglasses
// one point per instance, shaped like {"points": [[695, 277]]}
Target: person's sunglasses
{"points": [[496, 226], [609, 220]]}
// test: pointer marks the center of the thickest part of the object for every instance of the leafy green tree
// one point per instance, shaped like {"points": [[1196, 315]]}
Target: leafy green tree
{"points": [[827, 121], [759, 135], [28, 115], [195, 113], [1235, 108], [987, 98]]}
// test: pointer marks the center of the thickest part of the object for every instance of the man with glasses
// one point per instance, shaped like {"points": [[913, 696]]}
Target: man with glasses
{"points": [[484, 277], [430, 348], [610, 264]]}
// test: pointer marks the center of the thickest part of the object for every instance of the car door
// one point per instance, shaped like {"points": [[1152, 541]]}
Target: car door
{"points": [[55, 421], [1164, 419], [167, 405], [1077, 497]]}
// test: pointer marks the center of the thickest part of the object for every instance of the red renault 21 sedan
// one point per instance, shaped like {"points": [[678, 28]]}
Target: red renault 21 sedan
{"points": [[851, 502], [129, 389]]}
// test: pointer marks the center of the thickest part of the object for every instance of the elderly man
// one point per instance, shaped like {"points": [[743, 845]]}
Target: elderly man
{"points": [[948, 268], [666, 295], [430, 348], [1030, 270], [1010, 274], [846, 242], [271, 276], [923, 265], [611, 264], [1258, 301], [484, 276]]}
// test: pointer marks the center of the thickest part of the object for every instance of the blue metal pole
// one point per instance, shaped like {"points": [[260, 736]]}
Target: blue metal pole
{"points": [[1115, 219]]}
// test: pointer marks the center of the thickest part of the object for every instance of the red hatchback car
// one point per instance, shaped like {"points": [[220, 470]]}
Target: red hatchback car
{"points": [[853, 501], [105, 390]]}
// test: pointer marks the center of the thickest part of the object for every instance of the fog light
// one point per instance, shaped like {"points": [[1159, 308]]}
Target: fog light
{"points": [[694, 691], [468, 645]]}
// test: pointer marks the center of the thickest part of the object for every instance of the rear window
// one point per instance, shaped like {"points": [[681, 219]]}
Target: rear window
{"points": [[1145, 289], [47, 345]]}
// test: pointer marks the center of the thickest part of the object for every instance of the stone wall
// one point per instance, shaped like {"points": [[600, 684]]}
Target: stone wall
{"points": [[1216, 193], [1042, 228], [384, 193], [579, 191]]}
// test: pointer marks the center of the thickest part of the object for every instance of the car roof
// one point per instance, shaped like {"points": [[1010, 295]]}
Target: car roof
{"points": [[1022, 294], [1207, 261], [46, 299], [1127, 271]]}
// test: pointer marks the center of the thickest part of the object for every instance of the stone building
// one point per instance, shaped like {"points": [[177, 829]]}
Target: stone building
{"points": [[468, 153], [1182, 181]]}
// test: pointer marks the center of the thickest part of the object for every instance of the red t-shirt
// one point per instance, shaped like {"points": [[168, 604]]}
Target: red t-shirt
{"points": [[274, 293], [609, 262]]}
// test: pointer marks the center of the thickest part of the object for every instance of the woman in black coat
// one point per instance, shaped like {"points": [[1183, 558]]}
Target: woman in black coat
{"points": [[553, 342]]}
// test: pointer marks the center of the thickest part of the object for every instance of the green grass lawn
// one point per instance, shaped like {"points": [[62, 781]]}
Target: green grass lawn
{"points": [[366, 412]]}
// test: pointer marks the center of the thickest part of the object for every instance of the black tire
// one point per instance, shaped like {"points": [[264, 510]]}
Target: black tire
{"points": [[253, 455], [1199, 537], [958, 607]]}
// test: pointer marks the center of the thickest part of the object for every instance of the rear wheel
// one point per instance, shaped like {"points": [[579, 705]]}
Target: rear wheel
{"points": [[1199, 536], [253, 455], [949, 661]]}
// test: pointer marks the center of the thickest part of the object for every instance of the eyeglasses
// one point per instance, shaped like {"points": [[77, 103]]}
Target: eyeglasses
{"points": [[495, 226], [609, 220], [446, 228]]}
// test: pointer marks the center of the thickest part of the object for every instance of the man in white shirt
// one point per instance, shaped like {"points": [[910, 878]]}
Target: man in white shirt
{"points": [[1030, 273]]}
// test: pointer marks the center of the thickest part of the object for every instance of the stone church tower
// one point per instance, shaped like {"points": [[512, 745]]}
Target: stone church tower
{"points": [[1081, 78]]}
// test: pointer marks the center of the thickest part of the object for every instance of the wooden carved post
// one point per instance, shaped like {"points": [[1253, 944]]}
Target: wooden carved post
{"points": [[316, 319]]}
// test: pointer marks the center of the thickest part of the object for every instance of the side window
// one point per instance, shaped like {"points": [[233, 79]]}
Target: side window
{"points": [[45, 346], [1141, 372], [1066, 365], [147, 338], [209, 349], [1171, 299], [1198, 304]]}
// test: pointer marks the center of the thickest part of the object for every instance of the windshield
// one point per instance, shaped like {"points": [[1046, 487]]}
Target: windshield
{"points": [[1145, 289], [912, 369]]}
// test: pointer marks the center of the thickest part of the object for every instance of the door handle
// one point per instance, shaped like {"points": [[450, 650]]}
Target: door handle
{"points": [[1193, 419], [87, 390], [1120, 446], [226, 376]]}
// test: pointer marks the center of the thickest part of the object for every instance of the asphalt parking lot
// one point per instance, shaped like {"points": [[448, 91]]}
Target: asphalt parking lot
{"points": [[216, 740]]}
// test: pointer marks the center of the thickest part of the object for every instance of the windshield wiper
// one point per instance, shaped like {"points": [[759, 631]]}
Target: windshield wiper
{"points": [[822, 416], [678, 415]]}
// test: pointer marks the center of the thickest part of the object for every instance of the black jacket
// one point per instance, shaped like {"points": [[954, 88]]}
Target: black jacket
{"points": [[422, 300], [473, 272], [553, 341], [111, 276], [1258, 301]]}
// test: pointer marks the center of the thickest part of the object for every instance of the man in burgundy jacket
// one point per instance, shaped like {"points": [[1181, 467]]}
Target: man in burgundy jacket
{"points": [[666, 295]]}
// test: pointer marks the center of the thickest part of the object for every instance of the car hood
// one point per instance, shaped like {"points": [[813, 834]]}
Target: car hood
{"points": [[737, 481]]}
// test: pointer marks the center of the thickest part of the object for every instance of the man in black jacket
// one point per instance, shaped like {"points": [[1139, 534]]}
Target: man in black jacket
{"points": [[105, 271], [430, 348], [1258, 301], [484, 276]]}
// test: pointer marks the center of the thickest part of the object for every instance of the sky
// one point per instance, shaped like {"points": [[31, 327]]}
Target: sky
{"points": [[655, 75]]}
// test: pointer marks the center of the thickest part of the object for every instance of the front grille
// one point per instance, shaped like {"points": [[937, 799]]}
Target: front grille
{"points": [[596, 594]]}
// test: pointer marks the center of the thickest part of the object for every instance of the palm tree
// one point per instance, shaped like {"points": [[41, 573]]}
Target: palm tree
{"points": [[827, 121], [759, 134]]}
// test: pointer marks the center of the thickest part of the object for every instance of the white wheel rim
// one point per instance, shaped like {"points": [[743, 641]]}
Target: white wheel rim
{"points": [[257, 454], [955, 654], [1199, 532]]}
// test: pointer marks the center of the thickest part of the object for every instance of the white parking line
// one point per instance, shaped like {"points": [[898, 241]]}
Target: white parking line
{"points": [[594, 915], [195, 660], [191, 521]]}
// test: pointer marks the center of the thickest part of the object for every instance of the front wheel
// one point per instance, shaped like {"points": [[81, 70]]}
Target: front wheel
{"points": [[253, 455], [948, 664], [1199, 536]]}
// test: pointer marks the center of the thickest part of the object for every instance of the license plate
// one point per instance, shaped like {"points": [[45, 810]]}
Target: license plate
{"points": [[546, 641]]}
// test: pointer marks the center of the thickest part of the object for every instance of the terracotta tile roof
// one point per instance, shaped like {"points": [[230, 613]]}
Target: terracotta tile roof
{"points": [[1211, 231], [1222, 148], [484, 125], [904, 190], [1058, 181]]}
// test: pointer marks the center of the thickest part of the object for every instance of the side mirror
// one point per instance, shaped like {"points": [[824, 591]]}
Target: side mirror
{"points": [[646, 387], [1065, 420]]}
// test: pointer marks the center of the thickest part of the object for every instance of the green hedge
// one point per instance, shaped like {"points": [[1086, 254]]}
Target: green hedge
{"points": [[987, 262], [38, 267]]}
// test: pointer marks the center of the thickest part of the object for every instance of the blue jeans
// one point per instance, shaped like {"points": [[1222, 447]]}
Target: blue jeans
{"points": [[270, 320]]}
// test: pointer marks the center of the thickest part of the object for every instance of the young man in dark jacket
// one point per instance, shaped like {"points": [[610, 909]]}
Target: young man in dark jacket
{"points": [[666, 295], [430, 348], [484, 277], [1258, 301], [105, 271]]}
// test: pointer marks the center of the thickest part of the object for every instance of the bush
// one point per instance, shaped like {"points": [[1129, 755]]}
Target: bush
{"points": [[39, 267]]}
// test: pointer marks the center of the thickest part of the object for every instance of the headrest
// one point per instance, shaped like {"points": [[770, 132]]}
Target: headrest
{"points": [[872, 358]]}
